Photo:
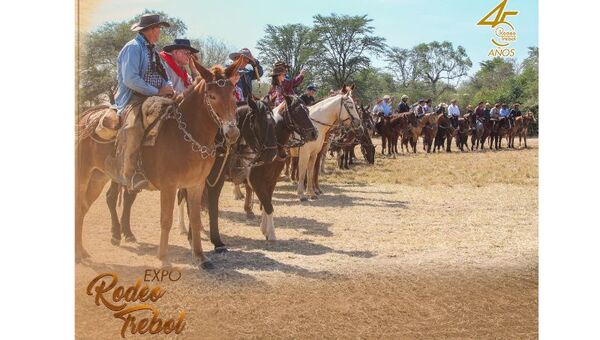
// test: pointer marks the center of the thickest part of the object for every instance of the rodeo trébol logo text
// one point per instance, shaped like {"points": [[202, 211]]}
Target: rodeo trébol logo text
{"points": [[504, 33], [143, 317]]}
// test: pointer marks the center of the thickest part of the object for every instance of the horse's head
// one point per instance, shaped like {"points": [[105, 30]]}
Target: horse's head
{"points": [[257, 127], [349, 114], [295, 115], [219, 96]]}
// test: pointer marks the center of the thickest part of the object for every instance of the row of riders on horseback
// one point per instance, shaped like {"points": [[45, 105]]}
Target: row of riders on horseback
{"points": [[185, 133], [438, 126]]}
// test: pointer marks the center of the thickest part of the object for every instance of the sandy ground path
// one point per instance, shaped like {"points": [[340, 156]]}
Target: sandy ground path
{"points": [[370, 259]]}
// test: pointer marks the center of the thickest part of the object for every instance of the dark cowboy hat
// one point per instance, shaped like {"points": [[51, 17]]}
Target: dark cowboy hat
{"points": [[243, 52], [279, 68], [311, 87], [148, 20], [180, 44], [421, 100]]}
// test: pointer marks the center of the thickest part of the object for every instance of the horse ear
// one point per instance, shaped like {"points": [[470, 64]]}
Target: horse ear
{"points": [[204, 73], [288, 100], [344, 90], [252, 104], [233, 68], [352, 87]]}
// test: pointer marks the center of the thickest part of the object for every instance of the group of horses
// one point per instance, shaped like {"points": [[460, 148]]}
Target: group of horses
{"points": [[203, 141], [438, 129]]}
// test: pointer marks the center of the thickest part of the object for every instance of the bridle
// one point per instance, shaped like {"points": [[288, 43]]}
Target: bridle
{"points": [[204, 150], [340, 122], [291, 125]]}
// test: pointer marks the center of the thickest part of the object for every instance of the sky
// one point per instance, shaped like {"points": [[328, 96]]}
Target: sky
{"points": [[403, 23]]}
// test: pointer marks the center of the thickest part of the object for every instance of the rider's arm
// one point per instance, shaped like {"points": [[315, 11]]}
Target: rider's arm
{"points": [[130, 63]]}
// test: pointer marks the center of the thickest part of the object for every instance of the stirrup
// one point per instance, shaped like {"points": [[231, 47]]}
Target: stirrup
{"points": [[137, 182]]}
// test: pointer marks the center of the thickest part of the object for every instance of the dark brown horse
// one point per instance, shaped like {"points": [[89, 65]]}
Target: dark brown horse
{"points": [[291, 116], [181, 158], [521, 129], [444, 134], [462, 133]]}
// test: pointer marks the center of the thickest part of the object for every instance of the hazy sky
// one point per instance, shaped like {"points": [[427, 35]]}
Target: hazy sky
{"points": [[403, 23]]}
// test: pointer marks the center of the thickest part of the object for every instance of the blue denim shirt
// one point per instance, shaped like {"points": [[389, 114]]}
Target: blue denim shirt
{"points": [[131, 64], [247, 75], [504, 112]]}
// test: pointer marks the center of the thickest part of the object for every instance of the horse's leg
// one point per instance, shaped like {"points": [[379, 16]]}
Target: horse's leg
{"points": [[167, 202], [525, 139], [248, 202], [181, 206], [294, 168], [383, 144], [310, 190], [128, 199], [317, 168], [213, 214], [302, 169], [287, 167], [194, 198], [112, 195], [237, 192], [261, 187], [89, 188]]}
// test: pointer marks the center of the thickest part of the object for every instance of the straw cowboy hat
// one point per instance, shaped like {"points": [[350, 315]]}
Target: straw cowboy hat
{"points": [[180, 44], [386, 97], [243, 52], [404, 97], [147, 21]]}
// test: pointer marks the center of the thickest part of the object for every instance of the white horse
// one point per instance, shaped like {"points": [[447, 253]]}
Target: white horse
{"points": [[326, 114]]}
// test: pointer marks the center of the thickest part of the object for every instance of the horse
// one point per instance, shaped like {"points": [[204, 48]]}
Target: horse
{"points": [[389, 135], [500, 129], [444, 133], [291, 116], [257, 129], [186, 139], [521, 128], [462, 133], [409, 129], [428, 125], [328, 113], [477, 132]]}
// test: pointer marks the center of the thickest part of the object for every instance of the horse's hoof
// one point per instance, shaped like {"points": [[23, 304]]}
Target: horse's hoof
{"points": [[314, 197], [221, 250], [130, 238], [250, 215], [207, 265], [115, 241], [303, 199]]}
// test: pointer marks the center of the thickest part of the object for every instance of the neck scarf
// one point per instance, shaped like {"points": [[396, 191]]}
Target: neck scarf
{"points": [[173, 65]]}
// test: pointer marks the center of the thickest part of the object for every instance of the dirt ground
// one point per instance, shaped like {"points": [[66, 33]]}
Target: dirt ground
{"points": [[419, 246]]}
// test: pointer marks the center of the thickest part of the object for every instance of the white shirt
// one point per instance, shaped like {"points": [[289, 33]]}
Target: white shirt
{"points": [[453, 110]]}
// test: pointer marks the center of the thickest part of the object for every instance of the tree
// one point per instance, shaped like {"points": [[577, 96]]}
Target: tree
{"points": [[402, 64], [344, 42], [435, 62], [212, 51], [295, 44]]}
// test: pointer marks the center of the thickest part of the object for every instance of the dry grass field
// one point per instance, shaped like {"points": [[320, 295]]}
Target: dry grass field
{"points": [[420, 246]]}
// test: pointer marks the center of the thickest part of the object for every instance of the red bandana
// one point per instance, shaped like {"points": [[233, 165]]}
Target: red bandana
{"points": [[173, 65]]}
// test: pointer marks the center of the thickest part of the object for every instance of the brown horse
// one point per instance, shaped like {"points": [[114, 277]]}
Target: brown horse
{"points": [[408, 129], [462, 133], [182, 156], [521, 129], [428, 125]]}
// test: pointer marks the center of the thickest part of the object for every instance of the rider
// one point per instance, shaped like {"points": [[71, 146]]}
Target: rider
{"points": [[480, 111], [419, 111], [403, 106], [309, 96], [247, 75], [140, 74], [454, 112], [281, 86], [177, 56], [486, 112], [514, 113], [427, 107], [505, 113]]}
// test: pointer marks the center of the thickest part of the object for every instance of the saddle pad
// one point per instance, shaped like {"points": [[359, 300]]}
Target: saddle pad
{"points": [[154, 111]]}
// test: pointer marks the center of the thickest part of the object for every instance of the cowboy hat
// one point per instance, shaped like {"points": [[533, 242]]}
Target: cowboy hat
{"points": [[404, 97], [311, 87], [148, 20], [243, 52], [386, 97], [278, 68], [180, 44]]}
